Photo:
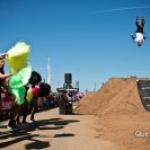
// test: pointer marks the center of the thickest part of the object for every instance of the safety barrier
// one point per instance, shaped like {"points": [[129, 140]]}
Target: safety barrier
{"points": [[144, 91]]}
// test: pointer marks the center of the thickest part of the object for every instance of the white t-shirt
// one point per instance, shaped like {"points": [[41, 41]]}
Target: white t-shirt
{"points": [[139, 37]]}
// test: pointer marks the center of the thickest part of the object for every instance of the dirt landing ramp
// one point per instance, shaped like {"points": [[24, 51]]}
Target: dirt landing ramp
{"points": [[117, 95]]}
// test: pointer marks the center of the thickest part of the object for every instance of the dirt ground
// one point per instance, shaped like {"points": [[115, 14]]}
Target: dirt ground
{"points": [[78, 132], [56, 132], [129, 133]]}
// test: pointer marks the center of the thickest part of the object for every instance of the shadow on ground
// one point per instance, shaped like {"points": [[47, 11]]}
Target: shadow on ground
{"points": [[25, 133], [37, 145], [64, 135], [26, 136]]}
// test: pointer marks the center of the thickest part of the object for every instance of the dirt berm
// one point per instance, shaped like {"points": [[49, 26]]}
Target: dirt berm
{"points": [[122, 117], [118, 95]]}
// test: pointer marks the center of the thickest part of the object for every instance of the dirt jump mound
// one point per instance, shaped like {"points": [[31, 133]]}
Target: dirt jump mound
{"points": [[117, 95]]}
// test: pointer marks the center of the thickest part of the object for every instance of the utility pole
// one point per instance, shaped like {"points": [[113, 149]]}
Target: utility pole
{"points": [[48, 68], [77, 84], [94, 86]]}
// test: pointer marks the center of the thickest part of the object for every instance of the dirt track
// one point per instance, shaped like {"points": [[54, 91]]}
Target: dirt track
{"points": [[56, 132]]}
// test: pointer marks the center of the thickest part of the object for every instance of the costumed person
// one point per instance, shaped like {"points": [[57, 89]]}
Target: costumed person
{"points": [[32, 92], [18, 62], [36, 89]]}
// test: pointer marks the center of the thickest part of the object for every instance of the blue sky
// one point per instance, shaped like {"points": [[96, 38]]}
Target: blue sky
{"points": [[78, 37]]}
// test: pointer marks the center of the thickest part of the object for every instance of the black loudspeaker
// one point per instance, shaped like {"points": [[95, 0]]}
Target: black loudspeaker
{"points": [[68, 78]]}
